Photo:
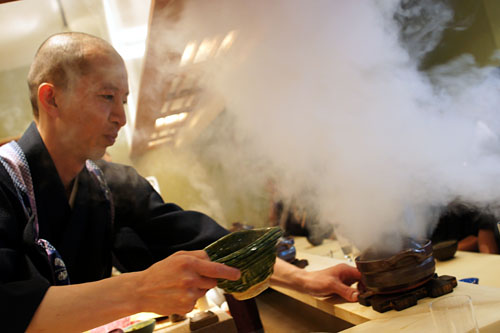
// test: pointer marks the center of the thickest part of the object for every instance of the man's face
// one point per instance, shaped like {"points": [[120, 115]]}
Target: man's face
{"points": [[92, 108]]}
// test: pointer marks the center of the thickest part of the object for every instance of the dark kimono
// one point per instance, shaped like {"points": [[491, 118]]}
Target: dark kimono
{"points": [[145, 230]]}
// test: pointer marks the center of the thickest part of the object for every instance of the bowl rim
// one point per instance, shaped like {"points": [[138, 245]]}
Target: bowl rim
{"points": [[270, 232], [445, 244], [146, 323], [424, 250]]}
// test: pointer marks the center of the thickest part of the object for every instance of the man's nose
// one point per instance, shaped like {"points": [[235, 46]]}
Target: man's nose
{"points": [[118, 115]]}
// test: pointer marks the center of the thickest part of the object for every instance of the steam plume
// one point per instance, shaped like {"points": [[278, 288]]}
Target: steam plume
{"points": [[328, 99]]}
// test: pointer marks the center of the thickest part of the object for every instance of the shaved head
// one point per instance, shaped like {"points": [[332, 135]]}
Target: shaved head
{"points": [[62, 57]]}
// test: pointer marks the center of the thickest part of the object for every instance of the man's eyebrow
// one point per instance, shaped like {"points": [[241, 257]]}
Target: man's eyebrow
{"points": [[111, 86]]}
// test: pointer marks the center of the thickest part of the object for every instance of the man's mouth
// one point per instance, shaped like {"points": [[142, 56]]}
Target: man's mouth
{"points": [[111, 138]]}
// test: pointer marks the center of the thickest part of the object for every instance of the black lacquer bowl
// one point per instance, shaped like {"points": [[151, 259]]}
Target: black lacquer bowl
{"points": [[253, 252], [445, 250]]}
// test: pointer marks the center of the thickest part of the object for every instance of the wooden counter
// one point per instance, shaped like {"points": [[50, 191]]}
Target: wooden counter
{"points": [[485, 296], [486, 267]]}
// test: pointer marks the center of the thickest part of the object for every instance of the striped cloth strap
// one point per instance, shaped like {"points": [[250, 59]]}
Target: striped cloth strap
{"points": [[14, 161]]}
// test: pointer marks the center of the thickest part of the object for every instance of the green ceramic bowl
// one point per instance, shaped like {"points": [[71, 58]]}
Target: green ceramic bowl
{"points": [[253, 252]]}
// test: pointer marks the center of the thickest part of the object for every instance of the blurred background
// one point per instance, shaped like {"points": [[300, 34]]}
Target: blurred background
{"points": [[219, 112]]}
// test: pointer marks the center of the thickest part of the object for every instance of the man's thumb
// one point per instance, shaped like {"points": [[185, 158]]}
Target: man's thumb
{"points": [[348, 293]]}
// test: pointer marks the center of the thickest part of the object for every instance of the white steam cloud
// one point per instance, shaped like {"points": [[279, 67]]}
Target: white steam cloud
{"points": [[327, 99]]}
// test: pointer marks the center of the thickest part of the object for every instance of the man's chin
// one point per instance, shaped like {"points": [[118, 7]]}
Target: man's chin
{"points": [[97, 154]]}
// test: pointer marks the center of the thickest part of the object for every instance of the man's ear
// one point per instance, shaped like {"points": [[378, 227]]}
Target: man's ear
{"points": [[47, 99]]}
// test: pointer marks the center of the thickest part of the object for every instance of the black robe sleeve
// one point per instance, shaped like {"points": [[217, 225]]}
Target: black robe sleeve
{"points": [[22, 285], [146, 229]]}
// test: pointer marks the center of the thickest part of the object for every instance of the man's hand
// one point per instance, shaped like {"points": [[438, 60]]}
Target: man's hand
{"points": [[170, 286], [333, 280], [174, 284]]}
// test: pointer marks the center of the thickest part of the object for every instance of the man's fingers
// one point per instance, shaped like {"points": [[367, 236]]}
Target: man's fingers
{"points": [[353, 273], [217, 271], [348, 293], [206, 283], [210, 269], [200, 254], [348, 274], [195, 293]]}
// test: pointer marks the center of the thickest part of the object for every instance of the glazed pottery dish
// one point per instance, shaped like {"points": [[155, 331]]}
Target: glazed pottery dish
{"points": [[146, 326], [253, 252]]}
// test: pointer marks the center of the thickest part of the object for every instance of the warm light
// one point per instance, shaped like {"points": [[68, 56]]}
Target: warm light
{"points": [[227, 42], [162, 134], [159, 141], [169, 120], [188, 53], [167, 132], [131, 42], [132, 51], [205, 50]]}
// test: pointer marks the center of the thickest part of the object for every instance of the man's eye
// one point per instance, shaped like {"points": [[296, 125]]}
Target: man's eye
{"points": [[108, 97]]}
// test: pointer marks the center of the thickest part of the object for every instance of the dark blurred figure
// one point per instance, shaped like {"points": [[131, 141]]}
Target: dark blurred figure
{"points": [[297, 220], [473, 227]]}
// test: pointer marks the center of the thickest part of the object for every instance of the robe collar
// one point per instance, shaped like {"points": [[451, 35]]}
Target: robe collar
{"points": [[68, 230]]}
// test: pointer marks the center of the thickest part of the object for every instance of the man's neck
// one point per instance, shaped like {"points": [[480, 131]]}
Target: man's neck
{"points": [[68, 165], [67, 169]]}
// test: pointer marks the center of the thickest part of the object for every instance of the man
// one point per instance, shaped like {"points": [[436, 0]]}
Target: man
{"points": [[62, 217]]}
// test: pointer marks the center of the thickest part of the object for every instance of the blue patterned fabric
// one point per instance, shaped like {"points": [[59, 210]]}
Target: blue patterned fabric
{"points": [[13, 159]]}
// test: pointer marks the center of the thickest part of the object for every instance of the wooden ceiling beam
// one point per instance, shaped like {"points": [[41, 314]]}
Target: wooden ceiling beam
{"points": [[154, 83]]}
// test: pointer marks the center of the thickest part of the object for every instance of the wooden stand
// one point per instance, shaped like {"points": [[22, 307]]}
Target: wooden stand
{"points": [[435, 287]]}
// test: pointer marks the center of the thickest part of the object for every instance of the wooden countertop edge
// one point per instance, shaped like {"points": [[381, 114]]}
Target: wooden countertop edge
{"points": [[485, 298], [416, 319], [328, 305]]}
